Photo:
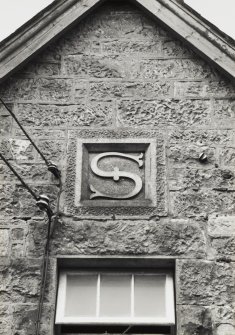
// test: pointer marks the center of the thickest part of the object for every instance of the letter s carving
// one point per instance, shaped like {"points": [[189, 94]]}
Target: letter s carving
{"points": [[116, 174]]}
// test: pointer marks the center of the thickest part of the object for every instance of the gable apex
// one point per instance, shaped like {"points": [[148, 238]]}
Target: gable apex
{"points": [[59, 16]]}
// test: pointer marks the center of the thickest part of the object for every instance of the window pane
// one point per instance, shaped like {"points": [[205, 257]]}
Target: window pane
{"points": [[149, 295], [115, 295], [81, 295]]}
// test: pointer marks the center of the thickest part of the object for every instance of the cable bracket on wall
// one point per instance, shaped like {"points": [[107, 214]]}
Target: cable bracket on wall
{"points": [[43, 203], [53, 168]]}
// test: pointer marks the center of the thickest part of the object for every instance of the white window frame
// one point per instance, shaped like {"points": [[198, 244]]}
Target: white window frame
{"points": [[169, 320]]}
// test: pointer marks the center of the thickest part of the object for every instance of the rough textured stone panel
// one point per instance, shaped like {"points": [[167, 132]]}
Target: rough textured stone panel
{"points": [[193, 203], [36, 237], [42, 69], [57, 90], [94, 67], [177, 68], [17, 201], [166, 112], [19, 88], [18, 149], [189, 89], [6, 192], [202, 137], [189, 155], [91, 114], [205, 283], [6, 148], [220, 88], [24, 316], [151, 30], [24, 325], [108, 26], [20, 282], [175, 48], [22, 150], [221, 230], [71, 44], [144, 49], [147, 90], [200, 320], [30, 172], [52, 150], [23, 281], [194, 320], [125, 238], [222, 248], [42, 133], [200, 177], [224, 111]]}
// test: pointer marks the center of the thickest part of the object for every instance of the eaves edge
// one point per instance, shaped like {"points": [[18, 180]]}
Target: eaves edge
{"points": [[61, 14]]}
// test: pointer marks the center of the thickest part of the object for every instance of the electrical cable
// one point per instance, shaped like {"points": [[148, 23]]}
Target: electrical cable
{"points": [[44, 274], [19, 177], [51, 166], [43, 204], [57, 211], [46, 256], [21, 127]]}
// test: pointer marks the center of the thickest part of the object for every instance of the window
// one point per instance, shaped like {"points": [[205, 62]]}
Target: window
{"points": [[116, 297]]}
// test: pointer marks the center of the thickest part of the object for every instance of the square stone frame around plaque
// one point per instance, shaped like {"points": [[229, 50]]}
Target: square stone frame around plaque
{"points": [[155, 175]]}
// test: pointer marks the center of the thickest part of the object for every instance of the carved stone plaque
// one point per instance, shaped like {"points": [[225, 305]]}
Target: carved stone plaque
{"points": [[110, 173], [115, 173]]}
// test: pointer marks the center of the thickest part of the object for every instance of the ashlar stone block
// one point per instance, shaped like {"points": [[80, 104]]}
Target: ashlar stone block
{"points": [[221, 225], [181, 238], [176, 69], [194, 320], [221, 231], [202, 203], [167, 112], [96, 67], [204, 283], [224, 112], [220, 89], [81, 114], [137, 89]]}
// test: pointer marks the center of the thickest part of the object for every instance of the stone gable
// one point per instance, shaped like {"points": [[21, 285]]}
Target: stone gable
{"points": [[120, 72]]}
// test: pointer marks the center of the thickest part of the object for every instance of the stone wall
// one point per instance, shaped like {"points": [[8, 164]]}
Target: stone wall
{"points": [[119, 70]]}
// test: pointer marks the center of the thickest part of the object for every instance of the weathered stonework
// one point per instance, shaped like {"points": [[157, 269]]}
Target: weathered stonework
{"points": [[118, 74]]}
